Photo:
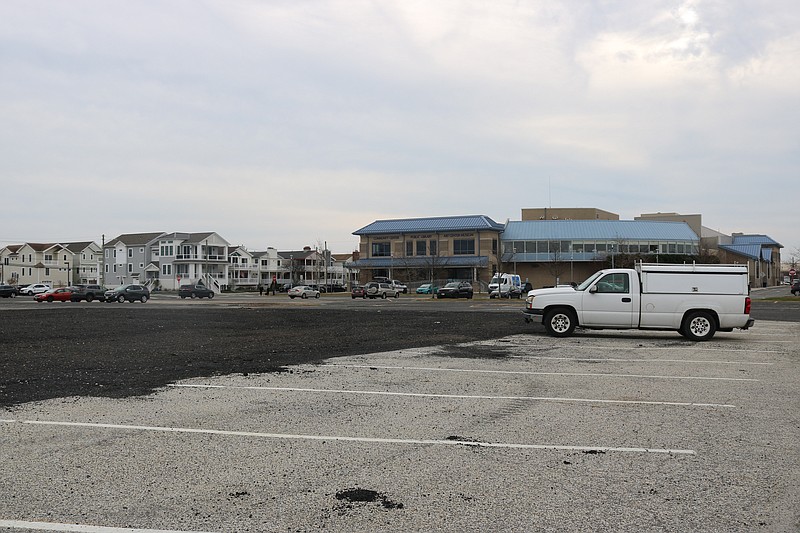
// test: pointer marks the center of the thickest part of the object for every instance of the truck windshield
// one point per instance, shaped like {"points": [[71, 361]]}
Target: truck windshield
{"points": [[583, 286]]}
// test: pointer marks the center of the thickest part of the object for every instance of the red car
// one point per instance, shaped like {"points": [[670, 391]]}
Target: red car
{"points": [[54, 295], [358, 292]]}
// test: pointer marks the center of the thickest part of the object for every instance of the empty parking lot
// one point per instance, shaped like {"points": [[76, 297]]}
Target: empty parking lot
{"points": [[509, 431]]}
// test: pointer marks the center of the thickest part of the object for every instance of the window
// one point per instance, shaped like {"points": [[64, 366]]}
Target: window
{"points": [[130, 267], [494, 246], [130, 252], [422, 248], [166, 270], [409, 248], [433, 247], [615, 283], [381, 249], [464, 247]]}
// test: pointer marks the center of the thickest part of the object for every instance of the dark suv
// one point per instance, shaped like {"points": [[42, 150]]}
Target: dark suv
{"points": [[82, 292], [131, 293], [796, 287], [195, 291], [456, 289]]}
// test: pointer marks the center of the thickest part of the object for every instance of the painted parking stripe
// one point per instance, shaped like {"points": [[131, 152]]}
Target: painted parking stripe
{"points": [[375, 440], [529, 373], [654, 348], [448, 396], [52, 526], [623, 360]]}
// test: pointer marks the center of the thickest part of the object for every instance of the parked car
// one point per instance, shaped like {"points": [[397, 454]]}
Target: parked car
{"points": [[130, 292], [55, 295], [89, 293], [8, 291], [795, 287], [358, 292], [456, 289], [376, 289], [303, 291], [427, 288], [399, 286], [195, 291], [35, 288]]}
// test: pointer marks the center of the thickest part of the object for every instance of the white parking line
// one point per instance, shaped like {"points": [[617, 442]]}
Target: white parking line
{"points": [[528, 373], [52, 526], [450, 396], [643, 347], [326, 438], [620, 360]]}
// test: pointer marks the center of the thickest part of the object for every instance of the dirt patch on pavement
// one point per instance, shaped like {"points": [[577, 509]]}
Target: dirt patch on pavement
{"points": [[128, 351]]}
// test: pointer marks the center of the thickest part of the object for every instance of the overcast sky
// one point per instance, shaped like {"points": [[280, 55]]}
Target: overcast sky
{"points": [[288, 123]]}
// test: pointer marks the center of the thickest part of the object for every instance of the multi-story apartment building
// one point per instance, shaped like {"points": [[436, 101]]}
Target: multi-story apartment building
{"points": [[57, 264], [167, 260]]}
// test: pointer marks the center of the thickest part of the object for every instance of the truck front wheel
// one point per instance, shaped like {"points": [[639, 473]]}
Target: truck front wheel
{"points": [[699, 326], [560, 322]]}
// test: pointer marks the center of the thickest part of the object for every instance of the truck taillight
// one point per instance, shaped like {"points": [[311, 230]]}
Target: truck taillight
{"points": [[747, 305]]}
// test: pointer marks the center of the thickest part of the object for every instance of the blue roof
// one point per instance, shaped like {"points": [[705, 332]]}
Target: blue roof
{"points": [[596, 230], [754, 239], [752, 251], [431, 224], [480, 261]]}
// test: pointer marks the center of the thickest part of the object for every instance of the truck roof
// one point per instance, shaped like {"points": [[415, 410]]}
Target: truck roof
{"points": [[692, 267]]}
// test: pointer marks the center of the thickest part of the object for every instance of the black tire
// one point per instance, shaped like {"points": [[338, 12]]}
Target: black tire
{"points": [[210, 295], [89, 297], [699, 326], [397, 294], [194, 295], [183, 297], [560, 322], [291, 297], [383, 295], [143, 298], [50, 299], [304, 296], [353, 296], [121, 299], [316, 296]]}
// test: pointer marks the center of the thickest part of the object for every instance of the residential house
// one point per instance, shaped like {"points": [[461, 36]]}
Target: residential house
{"points": [[193, 258], [304, 266], [132, 258], [57, 264]]}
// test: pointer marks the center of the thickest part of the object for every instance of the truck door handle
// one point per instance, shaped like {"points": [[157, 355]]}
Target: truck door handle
{"points": [[626, 300]]}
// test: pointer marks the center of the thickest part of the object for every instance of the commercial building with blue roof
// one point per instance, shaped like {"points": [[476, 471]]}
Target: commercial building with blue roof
{"points": [[545, 250], [432, 248]]}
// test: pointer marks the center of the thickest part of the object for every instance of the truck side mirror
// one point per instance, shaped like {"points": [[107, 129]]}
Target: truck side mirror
{"points": [[593, 289]]}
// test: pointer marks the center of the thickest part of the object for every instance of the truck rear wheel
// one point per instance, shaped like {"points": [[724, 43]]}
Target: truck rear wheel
{"points": [[699, 326], [560, 322]]}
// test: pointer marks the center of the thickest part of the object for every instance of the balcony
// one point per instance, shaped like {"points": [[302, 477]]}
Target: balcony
{"points": [[200, 258]]}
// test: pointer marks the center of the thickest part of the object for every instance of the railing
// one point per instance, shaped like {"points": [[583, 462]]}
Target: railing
{"points": [[201, 257]]}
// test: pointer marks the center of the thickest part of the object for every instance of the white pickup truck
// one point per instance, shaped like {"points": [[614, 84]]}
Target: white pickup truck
{"points": [[694, 300]]}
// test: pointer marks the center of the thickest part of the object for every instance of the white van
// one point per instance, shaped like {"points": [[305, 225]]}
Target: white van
{"points": [[505, 286]]}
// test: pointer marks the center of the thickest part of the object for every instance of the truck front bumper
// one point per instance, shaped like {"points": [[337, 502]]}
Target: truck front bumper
{"points": [[529, 314]]}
